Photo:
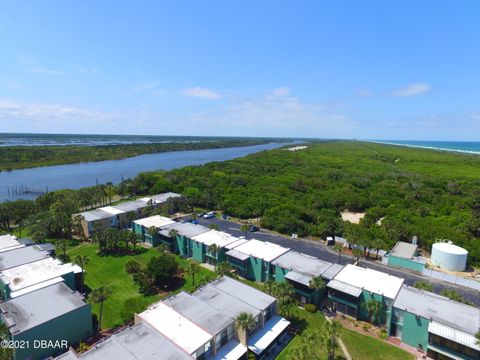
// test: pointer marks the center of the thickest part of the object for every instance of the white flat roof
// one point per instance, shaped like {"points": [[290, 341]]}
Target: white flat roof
{"points": [[33, 273], [236, 243], [157, 221], [370, 280], [219, 238], [455, 335], [262, 249], [37, 286], [112, 210], [175, 327], [233, 350], [9, 242], [264, 337]]}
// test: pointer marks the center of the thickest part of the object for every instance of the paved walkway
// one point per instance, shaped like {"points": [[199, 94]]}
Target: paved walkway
{"points": [[419, 355]]}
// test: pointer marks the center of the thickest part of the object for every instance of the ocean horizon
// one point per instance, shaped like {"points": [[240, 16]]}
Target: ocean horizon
{"points": [[469, 147]]}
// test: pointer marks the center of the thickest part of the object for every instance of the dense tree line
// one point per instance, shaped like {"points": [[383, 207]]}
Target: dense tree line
{"points": [[404, 192], [20, 157]]}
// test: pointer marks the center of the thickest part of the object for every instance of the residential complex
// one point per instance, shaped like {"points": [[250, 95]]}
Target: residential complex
{"points": [[121, 215], [252, 259], [40, 305], [443, 328], [198, 326], [148, 228]]}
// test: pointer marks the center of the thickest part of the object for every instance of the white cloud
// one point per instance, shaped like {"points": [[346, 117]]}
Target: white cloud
{"points": [[413, 90], [281, 91], [201, 93], [11, 110], [150, 85]]}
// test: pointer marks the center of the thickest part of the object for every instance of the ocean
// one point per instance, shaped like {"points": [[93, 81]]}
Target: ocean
{"points": [[471, 147]]}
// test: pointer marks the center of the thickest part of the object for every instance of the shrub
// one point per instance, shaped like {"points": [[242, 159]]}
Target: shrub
{"points": [[133, 267], [310, 308]]}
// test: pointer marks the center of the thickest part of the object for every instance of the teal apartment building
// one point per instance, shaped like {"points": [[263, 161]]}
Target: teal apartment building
{"points": [[210, 247], [405, 255], [299, 269], [353, 287], [47, 321], [440, 327], [177, 237], [25, 278], [145, 226], [253, 259]]}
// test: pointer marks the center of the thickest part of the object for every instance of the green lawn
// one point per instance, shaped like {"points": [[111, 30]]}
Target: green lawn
{"points": [[365, 347], [110, 271], [360, 347]]}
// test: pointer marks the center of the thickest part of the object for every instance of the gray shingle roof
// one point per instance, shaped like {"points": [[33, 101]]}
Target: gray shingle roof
{"points": [[38, 307]]}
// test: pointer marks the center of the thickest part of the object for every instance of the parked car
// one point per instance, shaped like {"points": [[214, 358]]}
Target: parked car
{"points": [[201, 214], [209, 215], [193, 221], [253, 228]]}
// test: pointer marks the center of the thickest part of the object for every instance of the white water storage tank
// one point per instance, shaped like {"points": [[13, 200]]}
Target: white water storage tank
{"points": [[449, 256]]}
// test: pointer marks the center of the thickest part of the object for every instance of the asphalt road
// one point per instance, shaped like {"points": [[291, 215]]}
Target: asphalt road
{"points": [[323, 252]]}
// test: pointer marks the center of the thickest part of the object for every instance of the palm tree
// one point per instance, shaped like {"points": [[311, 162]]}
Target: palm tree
{"points": [[245, 322], [192, 268], [333, 334], [98, 296], [357, 252], [82, 260], [135, 240], [373, 307], [173, 233], [213, 250], [62, 245], [152, 231], [317, 284], [224, 268], [244, 229], [339, 249], [163, 248], [214, 227]]}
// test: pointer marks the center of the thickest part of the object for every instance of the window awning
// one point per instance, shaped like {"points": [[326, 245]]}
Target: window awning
{"points": [[452, 334], [233, 350], [237, 255], [264, 337], [298, 277], [345, 288]]}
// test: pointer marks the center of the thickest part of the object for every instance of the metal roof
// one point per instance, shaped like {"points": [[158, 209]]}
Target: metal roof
{"points": [[264, 250], [332, 271], [452, 334], [139, 342], [370, 280], [198, 312], [186, 229], [262, 339], [219, 238], [302, 263], [298, 277], [35, 308], [438, 308], [21, 256], [131, 206], [156, 220], [345, 288], [404, 250], [237, 255], [95, 214]]}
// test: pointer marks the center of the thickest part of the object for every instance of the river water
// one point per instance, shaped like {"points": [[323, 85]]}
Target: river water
{"points": [[76, 176]]}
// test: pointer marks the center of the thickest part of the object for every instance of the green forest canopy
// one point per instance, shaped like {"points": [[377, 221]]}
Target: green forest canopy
{"points": [[431, 194]]}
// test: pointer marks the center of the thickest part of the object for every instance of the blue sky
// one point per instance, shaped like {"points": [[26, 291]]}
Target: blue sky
{"points": [[341, 69]]}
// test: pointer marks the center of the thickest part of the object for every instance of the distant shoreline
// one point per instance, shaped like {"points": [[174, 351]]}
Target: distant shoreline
{"points": [[471, 152]]}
